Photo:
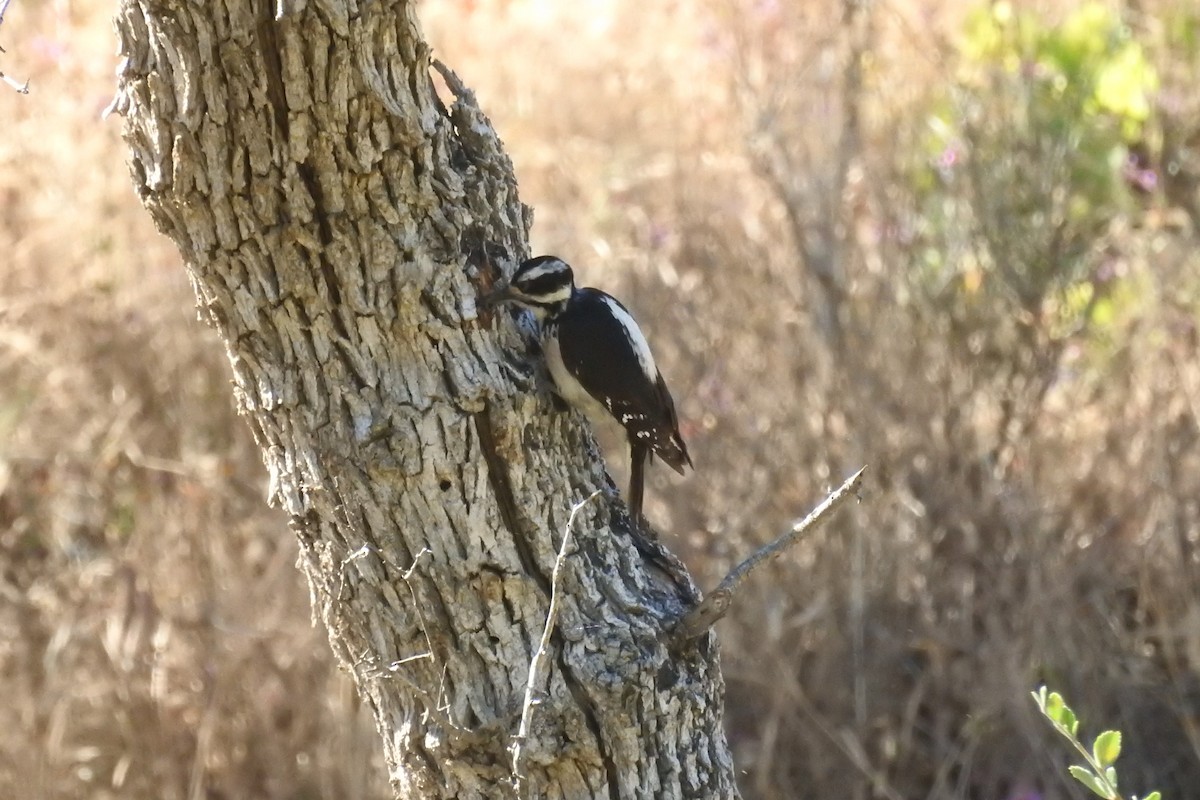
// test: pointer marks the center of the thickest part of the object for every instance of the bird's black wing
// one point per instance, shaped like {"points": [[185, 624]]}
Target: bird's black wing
{"points": [[597, 350]]}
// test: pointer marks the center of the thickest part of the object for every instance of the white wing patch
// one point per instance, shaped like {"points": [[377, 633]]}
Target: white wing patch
{"points": [[640, 346]]}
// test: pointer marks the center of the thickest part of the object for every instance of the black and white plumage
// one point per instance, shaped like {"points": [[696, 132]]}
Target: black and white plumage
{"points": [[601, 363]]}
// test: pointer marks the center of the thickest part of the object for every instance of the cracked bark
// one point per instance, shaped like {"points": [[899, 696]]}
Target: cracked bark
{"points": [[325, 203]]}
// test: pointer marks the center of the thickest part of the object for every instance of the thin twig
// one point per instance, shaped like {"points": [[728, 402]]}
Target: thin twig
{"points": [[21, 88], [717, 603], [538, 664]]}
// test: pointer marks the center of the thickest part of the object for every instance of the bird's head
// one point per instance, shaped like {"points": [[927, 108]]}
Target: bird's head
{"points": [[543, 285]]}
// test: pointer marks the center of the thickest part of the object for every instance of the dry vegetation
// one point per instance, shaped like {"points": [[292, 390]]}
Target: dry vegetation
{"points": [[1025, 387]]}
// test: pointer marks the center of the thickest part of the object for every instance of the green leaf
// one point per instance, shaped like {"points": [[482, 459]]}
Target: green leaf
{"points": [[1068, 720], [1107, 747], [1153, 796], [1055, 706], [1060, 713], [1125, 82], [1085, 776]]}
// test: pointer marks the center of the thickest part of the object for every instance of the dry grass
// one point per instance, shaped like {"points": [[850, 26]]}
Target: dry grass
{"points": [[1031, 516], [155, 638]]}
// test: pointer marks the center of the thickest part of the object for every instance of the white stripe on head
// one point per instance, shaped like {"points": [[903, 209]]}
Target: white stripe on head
{"points": [[550, 266], [562, 295], [640, 346]]}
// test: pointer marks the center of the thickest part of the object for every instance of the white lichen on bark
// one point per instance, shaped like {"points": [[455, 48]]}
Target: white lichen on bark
{"points": [[326, 205]]}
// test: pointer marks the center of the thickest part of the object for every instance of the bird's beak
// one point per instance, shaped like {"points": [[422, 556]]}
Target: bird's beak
{"points": [[496, 296]]}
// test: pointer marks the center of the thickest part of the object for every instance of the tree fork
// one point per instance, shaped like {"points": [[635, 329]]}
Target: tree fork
{"points": [[321, 196]]}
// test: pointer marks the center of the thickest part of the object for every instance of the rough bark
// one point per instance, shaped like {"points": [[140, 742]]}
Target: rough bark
{"points": [[325, 203]]}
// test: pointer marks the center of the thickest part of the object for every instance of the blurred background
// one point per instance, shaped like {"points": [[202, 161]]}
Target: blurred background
{"points": [[956, 241]]}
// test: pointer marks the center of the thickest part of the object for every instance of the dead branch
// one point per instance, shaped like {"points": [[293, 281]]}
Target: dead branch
{"points": [[717, 603]]}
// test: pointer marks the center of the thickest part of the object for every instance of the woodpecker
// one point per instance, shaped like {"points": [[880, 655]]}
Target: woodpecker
{"points": [[601, 364]]}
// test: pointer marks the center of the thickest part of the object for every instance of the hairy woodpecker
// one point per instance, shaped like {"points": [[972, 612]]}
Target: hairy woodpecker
{"points": [[601, 363]]}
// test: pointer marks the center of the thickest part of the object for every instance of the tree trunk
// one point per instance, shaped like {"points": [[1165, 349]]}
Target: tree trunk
{"points": [[326, 205]]}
